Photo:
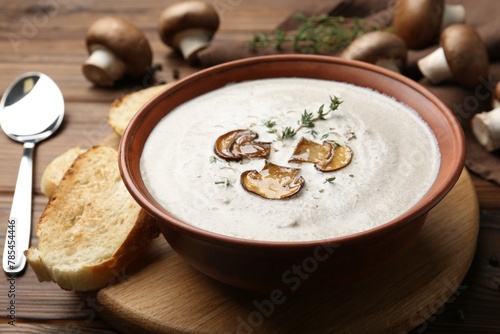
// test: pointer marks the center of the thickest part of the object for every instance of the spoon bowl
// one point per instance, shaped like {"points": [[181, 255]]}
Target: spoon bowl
{"points": [[31, 109]]}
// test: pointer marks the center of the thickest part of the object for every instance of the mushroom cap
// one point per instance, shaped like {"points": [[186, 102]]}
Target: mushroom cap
{"points": [[465, 53], [186, 15], [418, 22], [376, 45], [124, 40]]}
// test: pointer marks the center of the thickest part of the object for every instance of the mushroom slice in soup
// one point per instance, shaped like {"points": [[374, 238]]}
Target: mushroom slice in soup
{"points": [[238, 144], [341, 157], [310, 151], [273, 181]]}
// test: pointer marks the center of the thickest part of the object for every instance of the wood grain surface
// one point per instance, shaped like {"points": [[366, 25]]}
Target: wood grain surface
{"points": [[48, 36], [164, 295]]}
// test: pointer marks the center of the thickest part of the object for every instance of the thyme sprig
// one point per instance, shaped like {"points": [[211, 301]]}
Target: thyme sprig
{"points": [[314, 34], [307, 120]]}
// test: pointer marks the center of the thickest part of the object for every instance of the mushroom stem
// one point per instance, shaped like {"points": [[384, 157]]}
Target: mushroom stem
{"points": [[452, 14], [103, 67], [390, 64], [435, 66], [191, 41], [495, 103], [486, 129]]}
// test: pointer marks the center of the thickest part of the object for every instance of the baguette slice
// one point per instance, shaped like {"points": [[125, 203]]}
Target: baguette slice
{"points": [[56, 169], [123, 109], [91, 227]]}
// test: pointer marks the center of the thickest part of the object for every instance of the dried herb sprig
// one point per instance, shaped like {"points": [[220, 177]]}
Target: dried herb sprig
{"points": [[307, 120], [314, 34]]}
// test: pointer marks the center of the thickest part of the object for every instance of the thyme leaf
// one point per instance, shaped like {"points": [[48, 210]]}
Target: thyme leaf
{"points": [[307, 119], [269, 124], [288, 132], [335, 102], [330, 180], [224, 182]]}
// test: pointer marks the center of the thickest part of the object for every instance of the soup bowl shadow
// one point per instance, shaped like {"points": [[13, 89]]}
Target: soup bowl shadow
{"points": [[309, 265]]}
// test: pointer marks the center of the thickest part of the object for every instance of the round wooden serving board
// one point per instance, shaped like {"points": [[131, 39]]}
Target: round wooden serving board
{"points": [[162, 294]]}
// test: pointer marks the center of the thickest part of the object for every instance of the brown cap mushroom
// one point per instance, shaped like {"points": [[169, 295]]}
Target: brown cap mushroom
{"points": [[486, 125], [380, 48], [419, 22], [462, 56], [188, 26], [116, 48]]}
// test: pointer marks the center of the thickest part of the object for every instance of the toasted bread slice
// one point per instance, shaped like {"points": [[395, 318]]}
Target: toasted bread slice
{"points": [[125, 108], [55, 170], [91, 227]]}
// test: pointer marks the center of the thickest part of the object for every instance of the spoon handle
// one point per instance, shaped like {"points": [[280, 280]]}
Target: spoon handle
{"points": [[18, 234]]}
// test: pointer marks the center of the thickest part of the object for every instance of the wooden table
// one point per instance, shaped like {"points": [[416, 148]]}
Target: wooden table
{"points": [[48, 36]]}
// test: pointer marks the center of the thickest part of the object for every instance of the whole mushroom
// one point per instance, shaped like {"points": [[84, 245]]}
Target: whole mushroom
{"points": [[462, 56], [486, 125], [419, 22], [188, 26], [381, 48], [117, 48]]}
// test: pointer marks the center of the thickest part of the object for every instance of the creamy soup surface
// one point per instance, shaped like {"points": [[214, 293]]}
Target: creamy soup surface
{"points": [[395, 160]]}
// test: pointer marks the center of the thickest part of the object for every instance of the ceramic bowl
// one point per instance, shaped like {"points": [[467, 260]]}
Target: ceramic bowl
{"points": [[265, 265]]}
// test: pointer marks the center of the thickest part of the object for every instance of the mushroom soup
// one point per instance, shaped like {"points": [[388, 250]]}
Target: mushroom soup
{"points": [[289, 159]]}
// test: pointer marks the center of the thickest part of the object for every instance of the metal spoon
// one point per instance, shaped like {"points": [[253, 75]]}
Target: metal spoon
{"points": [[31, 110]]}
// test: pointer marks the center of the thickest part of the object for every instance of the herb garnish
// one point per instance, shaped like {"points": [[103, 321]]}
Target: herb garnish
{"points": [[330, 180], [314, 34], [307, 120], [224, 182]]}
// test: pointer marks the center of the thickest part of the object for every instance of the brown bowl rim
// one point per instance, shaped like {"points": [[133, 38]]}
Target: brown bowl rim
{"points": [[136, 187]]}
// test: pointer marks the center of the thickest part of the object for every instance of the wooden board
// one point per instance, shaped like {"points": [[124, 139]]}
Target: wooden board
{"points": [[162, 294]]}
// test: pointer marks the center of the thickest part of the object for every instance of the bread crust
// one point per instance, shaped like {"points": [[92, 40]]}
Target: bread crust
{"points": [[123, 109], [91, 227], [56, 169]]}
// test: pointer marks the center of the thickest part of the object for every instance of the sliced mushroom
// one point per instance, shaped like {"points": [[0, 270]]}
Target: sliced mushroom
{"points": [[188, 26], [273, 181], [462, 56], [310, 151], [381, 48], [326, 157], [238, 144], [341, 157], [117, 48], [486, 125], [419, 22]]}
